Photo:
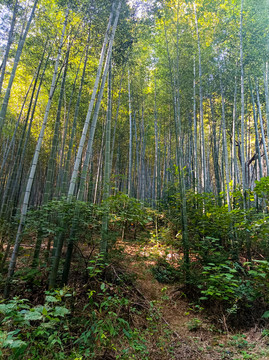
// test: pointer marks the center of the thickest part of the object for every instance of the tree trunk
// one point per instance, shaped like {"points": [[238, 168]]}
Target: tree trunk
{"points": [[130, 162], [225, 150], [71, 191], [74, 125], [257, 145], [262, 129], [104, 239], [49, 185], [96, 111], [266, 100], [9, 43], [15, 65], [203, 159], [25, 204], [234, 159], [215, 152], [242, 108]]}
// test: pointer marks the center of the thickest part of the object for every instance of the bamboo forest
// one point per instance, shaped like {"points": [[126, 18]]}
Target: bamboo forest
{"points": [[134, 179]]}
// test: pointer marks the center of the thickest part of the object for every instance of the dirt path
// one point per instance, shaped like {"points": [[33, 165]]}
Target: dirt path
{"points": [[194, 336]]}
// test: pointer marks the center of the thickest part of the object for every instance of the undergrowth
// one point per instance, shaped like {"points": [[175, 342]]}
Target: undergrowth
{"points": [[107, 319]]}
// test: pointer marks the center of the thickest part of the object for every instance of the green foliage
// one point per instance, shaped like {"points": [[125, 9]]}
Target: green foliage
{"points": [[265, 332], [216, 234], [29, 275], [221, 282], [258, 273], [194, 324], [60, 215], [209, 250], [236, 287], [97, 265], [38, 329], [239, 341], [262, 187], [105, 323], [127, 210], [107, 320], [166, 273]]}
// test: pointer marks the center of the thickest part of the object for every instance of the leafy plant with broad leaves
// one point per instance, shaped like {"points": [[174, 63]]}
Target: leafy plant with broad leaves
{"points": [[32, 331]]}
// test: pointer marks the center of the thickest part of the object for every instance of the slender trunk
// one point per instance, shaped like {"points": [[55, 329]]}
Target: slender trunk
{"points": [[25, 204], [60, 180], [104, 240], [26, 141], [96, 111], [12, 142], [215, 152], [9, 43], [266, 99], [156, 148], [179, 144], [13, 163], [262, 129], [170, 68], [117, 115], [242, 108], [248, 240], [129, 191], [196, 186], [203, 159], [74, 125], [136, 170], [13, 184], [15, 65], [71, 191], [143, 151], [225, 150], [234, 162], [56, 259], [257, 145], [85, 129], [98, 169], [48, 192]]}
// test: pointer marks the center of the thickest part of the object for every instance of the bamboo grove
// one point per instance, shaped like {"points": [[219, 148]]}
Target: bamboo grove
{"points": [[152, 100]]}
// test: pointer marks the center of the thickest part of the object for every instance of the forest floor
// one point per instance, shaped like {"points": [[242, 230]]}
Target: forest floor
{"points": [[193, 334], [170, 324]]}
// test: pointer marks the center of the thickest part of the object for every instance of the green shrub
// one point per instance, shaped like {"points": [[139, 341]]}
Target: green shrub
{"points": [[234, 286], [125, 210], [34, 331], [220, 282], [166, 273]]}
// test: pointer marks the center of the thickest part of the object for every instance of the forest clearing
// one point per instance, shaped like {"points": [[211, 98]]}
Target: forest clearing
{"points": [[134, 179]]}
